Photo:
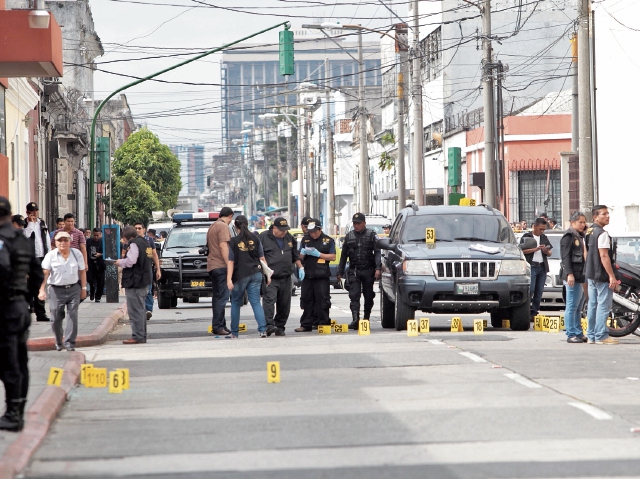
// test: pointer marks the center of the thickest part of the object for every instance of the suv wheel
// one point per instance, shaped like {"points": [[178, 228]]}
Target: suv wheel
{"points": [[387, 311], [164, 301], [520, 319], [404, 313]]}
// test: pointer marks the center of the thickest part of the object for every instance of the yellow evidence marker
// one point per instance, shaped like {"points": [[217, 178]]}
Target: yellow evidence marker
{"points": [[210, 329], [83, 372], [554, 324], [485, 323], [96, 378], [242, 328], [430, 235], [456, 325], [333, 322], [562, 326], [55, 377], [424, 325], [537, 323], [584, 324], [341, 328], [273, 372], [412, 327], [545, 323], [324, 329], [124, 373], [506, 324], [363, 328], [115, 382], [478, 326]]}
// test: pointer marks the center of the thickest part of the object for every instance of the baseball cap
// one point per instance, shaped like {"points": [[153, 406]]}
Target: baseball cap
{"points": [[305, 220], [314, 225], [19, 219], [32, 207], [62, 234], [358, 218], [281, 224], [5, 206]]}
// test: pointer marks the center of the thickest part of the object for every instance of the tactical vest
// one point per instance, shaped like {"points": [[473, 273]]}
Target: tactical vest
{"points": [[576, 256], [16, 252], [595, 270], [139, 275], [246, 260], [314, 267], [361, 249]]}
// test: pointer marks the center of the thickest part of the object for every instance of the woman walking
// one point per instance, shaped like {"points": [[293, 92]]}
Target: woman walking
{"points": [[245, 274], [573, 254], [64, 272]]}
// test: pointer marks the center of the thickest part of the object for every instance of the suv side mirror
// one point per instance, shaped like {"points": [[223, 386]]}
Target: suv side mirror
{"points": [[528, 243], [385, 243]]}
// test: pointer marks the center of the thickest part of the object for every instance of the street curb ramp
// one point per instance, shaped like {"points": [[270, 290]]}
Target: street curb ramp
{"points": [[98, 336], [39, 418]]}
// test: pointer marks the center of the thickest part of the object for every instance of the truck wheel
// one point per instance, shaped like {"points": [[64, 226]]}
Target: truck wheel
{"points": [[174, 301], [164, 301], [498, 315], [404, 313], [520, 319], [387, 311]]}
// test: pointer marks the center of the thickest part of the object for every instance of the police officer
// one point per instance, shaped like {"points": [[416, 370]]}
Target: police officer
{"points": [[359, 247], [281, 253], [316, 252], [19, 273], [308, 318]]}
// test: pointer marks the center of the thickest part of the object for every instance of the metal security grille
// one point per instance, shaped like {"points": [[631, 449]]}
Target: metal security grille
{"points": [[532, 192], [466, 269]]}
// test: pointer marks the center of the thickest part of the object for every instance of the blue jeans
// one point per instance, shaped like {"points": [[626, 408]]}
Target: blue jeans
{"points": [[252, 285], [219, 297], [538, 277], [148, 301], [600, 300], [571, 313]]}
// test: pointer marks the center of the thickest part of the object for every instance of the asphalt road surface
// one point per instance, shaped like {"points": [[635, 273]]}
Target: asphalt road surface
{"points": [[441, 405]]}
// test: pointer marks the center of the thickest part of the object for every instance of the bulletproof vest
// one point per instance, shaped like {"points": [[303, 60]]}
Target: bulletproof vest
{"points": [[361, 248], [246, 261], [315, 267], [16, 253], [595, 270], [139, 275]]}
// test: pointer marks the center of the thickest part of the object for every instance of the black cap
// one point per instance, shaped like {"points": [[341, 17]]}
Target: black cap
{"points": [[358, 218], [226, 211], [305, 220], [281, 224], [388, 225], [314, 225], [32, 207], [19, 220], [5, 206]]}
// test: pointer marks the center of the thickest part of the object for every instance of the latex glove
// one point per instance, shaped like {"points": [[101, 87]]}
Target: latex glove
{"points": [[303, 251], [312, 252], [301, 274]]}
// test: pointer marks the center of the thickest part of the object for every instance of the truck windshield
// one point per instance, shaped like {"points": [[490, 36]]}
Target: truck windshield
{"points": [[450, 227], [187, 238]]}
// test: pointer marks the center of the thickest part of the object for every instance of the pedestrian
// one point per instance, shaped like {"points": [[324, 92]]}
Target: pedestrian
{"points": [[317, 251], [573, 256], [281, 253], [386, 229], [59, 226], [523, 225], [244, 273], [19, 222], [97, 268], [151, 233], [553, 224], [218, 238], [359, 248], [65, 273], [142, 232], [136, 279], [87, 233], [19, 272], [600, 277], [537, 259], [37, 230], [78, 240]]}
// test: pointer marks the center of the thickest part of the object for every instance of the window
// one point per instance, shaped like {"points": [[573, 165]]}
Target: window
{"points": [[449, 227], [532, 193], [431, 55]]}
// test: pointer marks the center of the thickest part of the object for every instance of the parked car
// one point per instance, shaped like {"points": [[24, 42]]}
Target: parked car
{"points": [[374, 222]]}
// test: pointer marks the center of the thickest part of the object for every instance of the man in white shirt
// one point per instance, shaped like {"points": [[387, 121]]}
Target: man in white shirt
{"points": [[537, 258], [37, 230]]}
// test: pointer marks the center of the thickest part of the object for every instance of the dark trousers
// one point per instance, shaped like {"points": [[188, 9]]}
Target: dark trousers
{"points": [[14, 332], [37, 305], [361, 284], [278, 298], [538, 277], [219, 297], [316, 301], [95, 278]]}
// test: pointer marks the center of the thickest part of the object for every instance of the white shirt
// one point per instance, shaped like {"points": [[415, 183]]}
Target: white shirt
{"points": [[63, 272], [604, 241], [33, 227], [537, 256]]}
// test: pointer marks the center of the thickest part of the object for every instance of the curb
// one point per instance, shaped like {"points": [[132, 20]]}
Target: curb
{"points": [[98, 336], [39, 418]]}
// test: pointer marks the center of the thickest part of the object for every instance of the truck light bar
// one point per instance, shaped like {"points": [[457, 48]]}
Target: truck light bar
{"points": [[181, 217]]}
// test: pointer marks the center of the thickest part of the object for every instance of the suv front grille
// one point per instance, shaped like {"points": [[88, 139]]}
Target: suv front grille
{"points": [[446, 270]]}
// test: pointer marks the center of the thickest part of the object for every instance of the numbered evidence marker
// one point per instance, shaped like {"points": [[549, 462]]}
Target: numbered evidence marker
{"points": [[273, 372], [430, 235], [242, 328], [124, 372], [554, 324], [584, 324], [484, 323], [115, 382], [83, 372], [96, 378], [545, 323], [333, 322], [326, 329], [537, 323], [341, 328], [478, 326], [55, 377], [562, 326], [363, 328], [506, 324], [412, 327], [424, 325], [456, 325], [210, 329]]}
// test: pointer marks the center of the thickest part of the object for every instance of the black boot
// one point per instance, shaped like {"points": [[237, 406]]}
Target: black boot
{"points": [[12, 419], [356, 318]]}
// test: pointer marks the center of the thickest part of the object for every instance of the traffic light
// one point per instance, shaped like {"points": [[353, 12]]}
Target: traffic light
{"points": [[103, 158], [286, 52]]}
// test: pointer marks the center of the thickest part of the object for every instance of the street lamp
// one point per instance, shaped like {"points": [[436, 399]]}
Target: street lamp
{"points": [[39, 18]]}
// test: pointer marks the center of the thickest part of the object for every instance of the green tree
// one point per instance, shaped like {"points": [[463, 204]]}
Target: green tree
{"points": [[145, 177]]}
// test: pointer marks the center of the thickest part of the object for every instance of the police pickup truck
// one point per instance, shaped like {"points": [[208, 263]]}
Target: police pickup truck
{"points": [[453, 259]]}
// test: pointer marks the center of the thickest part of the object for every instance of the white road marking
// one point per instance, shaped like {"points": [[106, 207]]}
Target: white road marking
{"points": [[591, 411], [435, 341], [522, 380], [473, 357]]}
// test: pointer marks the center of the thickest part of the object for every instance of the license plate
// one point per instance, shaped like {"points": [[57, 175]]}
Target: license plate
{"points": [[197, 284], [467, 288]]}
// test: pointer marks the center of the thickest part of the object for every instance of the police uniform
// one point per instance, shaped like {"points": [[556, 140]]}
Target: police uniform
{"points": [[364, 260], [315, 295], [19, 272]]}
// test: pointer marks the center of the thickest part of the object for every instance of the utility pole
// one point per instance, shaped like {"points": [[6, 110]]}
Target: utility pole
{"points": [[331, 200], [585, 151], [364, 154], [289, 192], [279, 164], [401, 46], [489, 158], [418, 133], [575, 128], [302, 151]]}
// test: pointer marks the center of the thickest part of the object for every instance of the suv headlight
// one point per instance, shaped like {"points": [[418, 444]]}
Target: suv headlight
{"points": [[513, 267], [420, 267], [167, 263]]}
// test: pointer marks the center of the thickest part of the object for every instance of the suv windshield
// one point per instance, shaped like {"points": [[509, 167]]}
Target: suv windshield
{"points": [[187, 237], [455, 226]]}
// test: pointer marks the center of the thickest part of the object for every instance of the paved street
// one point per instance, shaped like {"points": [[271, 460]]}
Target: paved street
{"points": [[459, 405]]}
